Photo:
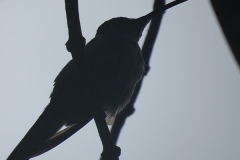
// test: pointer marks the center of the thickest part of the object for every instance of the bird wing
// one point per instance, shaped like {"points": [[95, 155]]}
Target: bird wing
{"points": [[43, 136]]}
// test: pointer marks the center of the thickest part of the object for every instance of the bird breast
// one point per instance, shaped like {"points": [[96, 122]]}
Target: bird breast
{"points": [[114, 66]]}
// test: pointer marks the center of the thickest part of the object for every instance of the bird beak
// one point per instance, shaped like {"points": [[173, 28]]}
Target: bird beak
{"points": [[144, 20]]}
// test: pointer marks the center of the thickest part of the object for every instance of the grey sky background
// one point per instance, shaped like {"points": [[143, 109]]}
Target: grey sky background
{"points": [[188, 108]]}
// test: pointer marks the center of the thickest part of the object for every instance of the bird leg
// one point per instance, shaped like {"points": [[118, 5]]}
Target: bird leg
{"points": [[110, 150]]}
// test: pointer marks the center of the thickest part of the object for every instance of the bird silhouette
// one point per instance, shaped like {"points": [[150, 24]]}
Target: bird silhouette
{"points": [[113, 67]]}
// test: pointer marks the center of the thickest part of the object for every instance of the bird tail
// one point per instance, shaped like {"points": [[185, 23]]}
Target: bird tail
{"points": [[44, 135], [62, 135], [49, 122]]}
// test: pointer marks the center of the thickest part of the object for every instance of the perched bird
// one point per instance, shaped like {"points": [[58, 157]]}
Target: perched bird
{"points": [[113, 67]]}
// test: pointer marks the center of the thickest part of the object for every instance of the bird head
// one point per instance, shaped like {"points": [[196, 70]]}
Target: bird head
{"points": [[132, 27]]}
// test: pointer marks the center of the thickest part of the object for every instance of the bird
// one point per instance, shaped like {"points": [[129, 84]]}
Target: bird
{"points": [[113, 67]]}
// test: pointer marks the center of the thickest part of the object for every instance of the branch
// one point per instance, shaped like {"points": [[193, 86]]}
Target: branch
{"points": [[76, 41]]}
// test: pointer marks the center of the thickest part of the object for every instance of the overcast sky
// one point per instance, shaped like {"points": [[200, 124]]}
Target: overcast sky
{"points": [[188, 108]]}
